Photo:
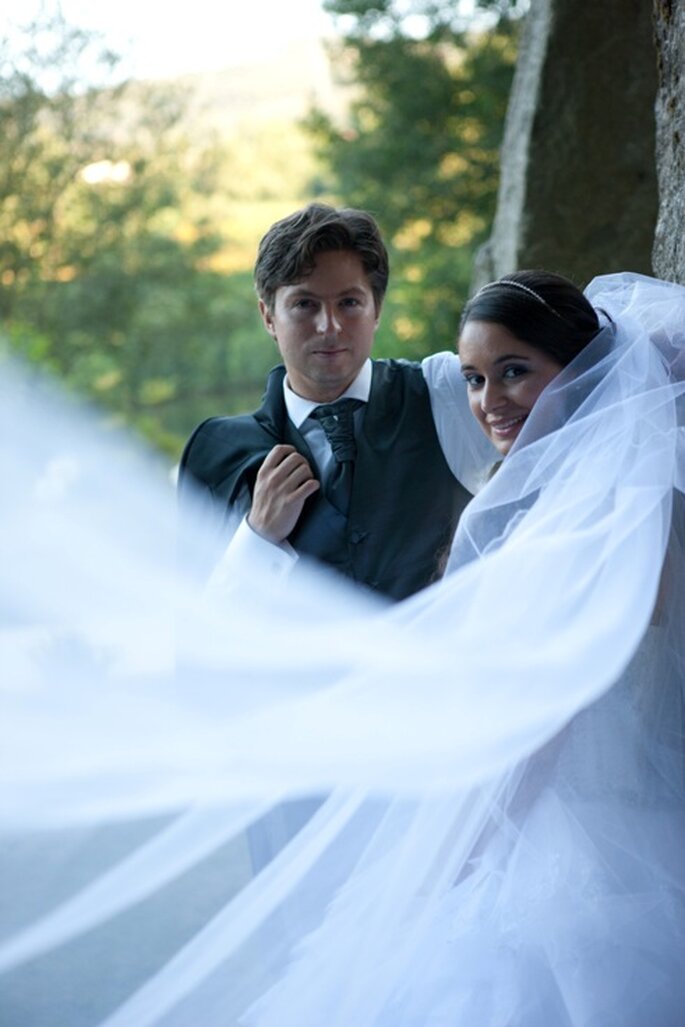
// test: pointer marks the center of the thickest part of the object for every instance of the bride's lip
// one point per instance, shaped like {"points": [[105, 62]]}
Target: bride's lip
{"points": [[506, 425]]}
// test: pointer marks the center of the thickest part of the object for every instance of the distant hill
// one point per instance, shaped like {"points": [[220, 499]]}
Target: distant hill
{"points": [[281, 89]]}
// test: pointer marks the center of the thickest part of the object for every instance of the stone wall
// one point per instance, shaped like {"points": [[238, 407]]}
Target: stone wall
{"points": [[669, 242], [578, 191]]}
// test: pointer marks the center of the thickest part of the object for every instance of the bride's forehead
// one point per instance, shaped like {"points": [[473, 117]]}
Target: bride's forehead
{"points": [[487, 341]]}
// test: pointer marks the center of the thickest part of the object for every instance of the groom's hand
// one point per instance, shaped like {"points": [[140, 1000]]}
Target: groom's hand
{"points": [[285, 480]]}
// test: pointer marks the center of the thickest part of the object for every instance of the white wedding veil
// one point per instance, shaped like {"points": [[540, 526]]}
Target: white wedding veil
{"points": [[149, 736]]}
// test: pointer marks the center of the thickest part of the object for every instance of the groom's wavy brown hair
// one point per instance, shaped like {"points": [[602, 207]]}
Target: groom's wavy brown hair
{"points": [[287, 252]]}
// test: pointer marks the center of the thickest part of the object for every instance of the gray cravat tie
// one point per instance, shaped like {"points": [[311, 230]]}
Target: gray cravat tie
{"points": [[337, 420]]}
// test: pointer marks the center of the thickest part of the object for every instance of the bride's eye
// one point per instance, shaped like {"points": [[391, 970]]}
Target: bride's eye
{"points": [[514, 371], [474, 381]]}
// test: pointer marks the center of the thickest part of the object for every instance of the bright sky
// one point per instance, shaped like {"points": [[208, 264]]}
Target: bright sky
{"points": [[159, 39]]}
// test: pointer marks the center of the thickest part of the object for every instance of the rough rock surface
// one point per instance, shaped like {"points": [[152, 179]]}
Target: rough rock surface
{"points": [[669, 242], [578, 190]]}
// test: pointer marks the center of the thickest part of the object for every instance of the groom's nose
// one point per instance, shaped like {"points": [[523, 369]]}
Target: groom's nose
{"points": [[327, 320]]}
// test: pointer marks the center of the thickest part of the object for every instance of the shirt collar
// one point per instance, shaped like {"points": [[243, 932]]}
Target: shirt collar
{"points": [[299, 408]]}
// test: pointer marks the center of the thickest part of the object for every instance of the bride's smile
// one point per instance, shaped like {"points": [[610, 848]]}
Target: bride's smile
{"points": [[505, 377]]}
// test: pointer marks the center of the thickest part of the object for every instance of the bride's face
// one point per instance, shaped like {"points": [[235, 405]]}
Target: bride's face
{"points": [[505, 376]]}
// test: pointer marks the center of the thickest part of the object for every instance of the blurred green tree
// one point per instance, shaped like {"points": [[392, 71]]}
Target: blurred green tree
{"points": [[420, 147], [126, 239], [107, 240]]}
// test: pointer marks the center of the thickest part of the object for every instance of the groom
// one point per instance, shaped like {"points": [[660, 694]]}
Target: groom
{"points": [[341, 463]]}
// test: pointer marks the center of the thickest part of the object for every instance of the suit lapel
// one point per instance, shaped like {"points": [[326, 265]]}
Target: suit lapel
{"points": [[272, 416]]}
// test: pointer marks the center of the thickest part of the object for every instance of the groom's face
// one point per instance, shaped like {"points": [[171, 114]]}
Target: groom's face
{"points": [[324, 325]]}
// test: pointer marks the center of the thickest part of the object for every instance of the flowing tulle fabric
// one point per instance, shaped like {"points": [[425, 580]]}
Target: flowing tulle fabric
{"points": [[473, 801]]}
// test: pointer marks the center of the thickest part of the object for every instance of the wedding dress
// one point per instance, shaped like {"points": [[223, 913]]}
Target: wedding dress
{"points": [[498, 763]]}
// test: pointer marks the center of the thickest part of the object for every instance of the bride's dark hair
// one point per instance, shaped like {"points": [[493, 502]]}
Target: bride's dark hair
{"points": [[541, 308]]}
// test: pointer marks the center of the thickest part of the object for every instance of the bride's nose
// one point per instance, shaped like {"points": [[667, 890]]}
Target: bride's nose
{"points": [[492, 397]]}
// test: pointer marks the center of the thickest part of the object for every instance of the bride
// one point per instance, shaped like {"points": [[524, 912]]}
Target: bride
{"points": [[502, 755]]}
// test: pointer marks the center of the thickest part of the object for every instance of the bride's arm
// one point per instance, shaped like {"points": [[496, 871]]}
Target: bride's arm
{"points": [[470, 455]]}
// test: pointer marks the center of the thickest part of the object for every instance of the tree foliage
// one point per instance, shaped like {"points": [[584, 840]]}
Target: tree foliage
{"points": [[421, 147], [127, 237], [108, 241]]}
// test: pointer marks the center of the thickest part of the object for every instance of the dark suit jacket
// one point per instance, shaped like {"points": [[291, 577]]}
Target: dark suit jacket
{"points": [[405, 501]]}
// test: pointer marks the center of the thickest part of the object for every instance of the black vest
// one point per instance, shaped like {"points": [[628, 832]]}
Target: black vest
{"points": [[405, 501]]}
